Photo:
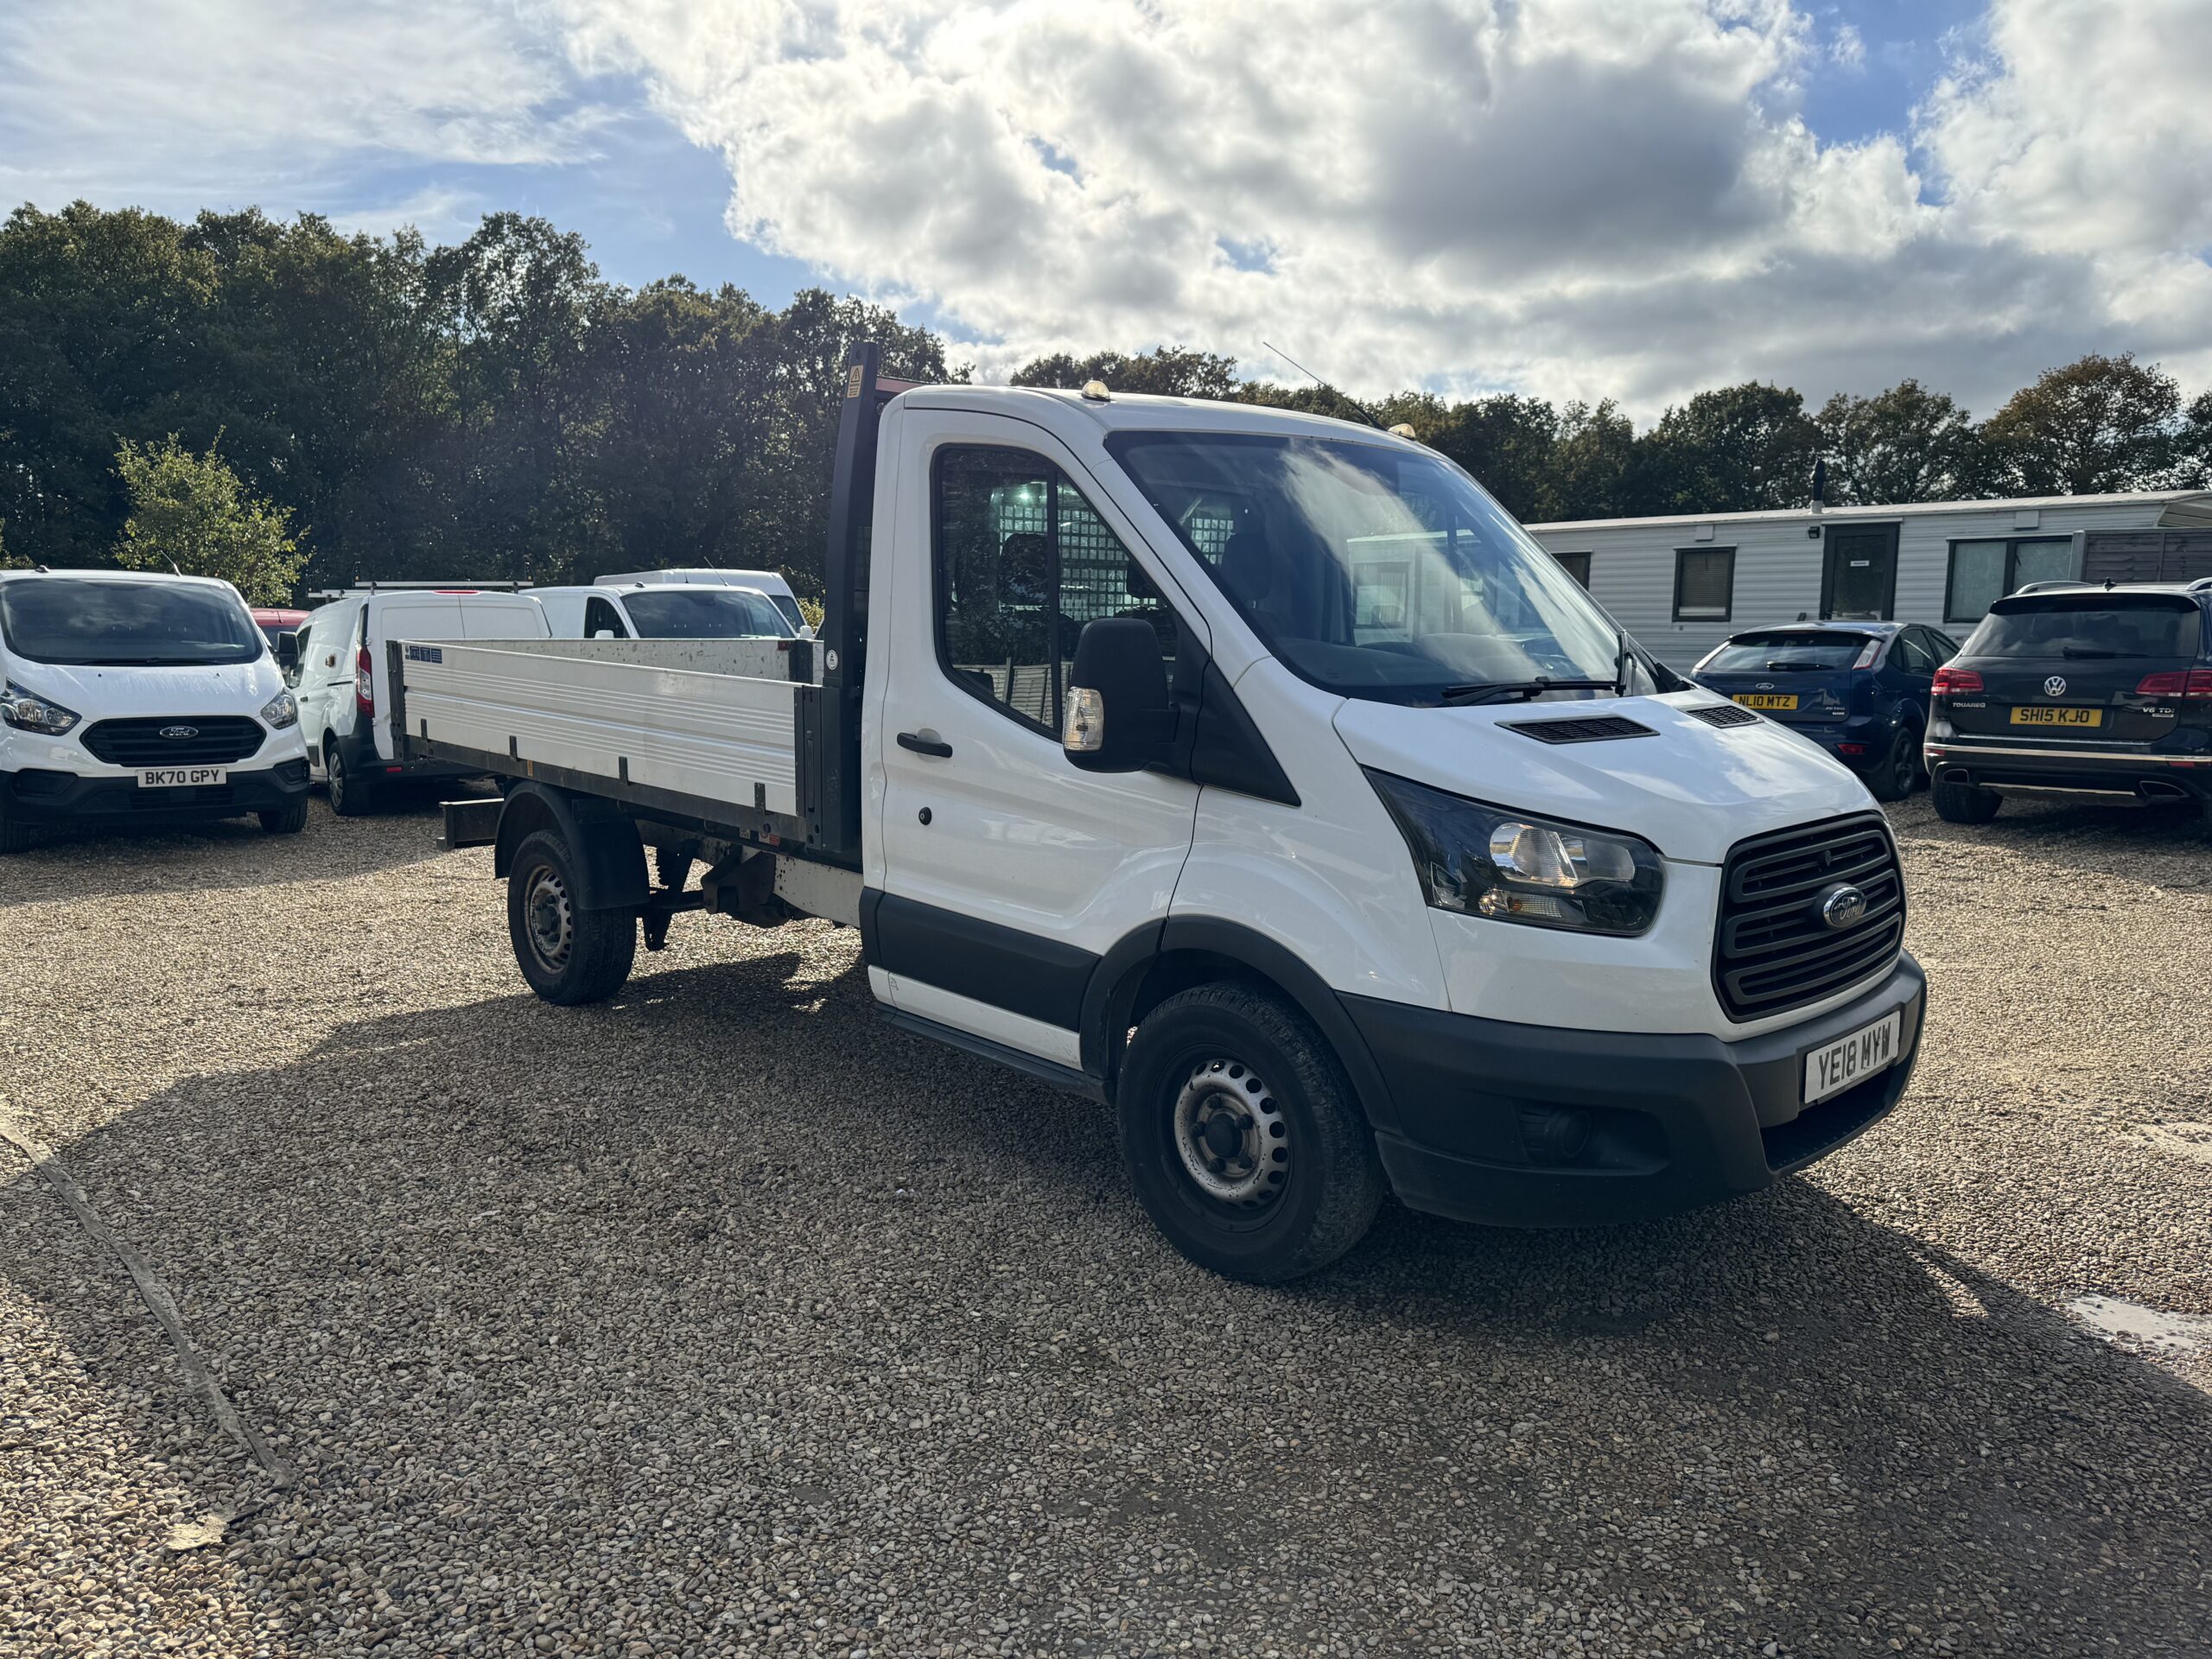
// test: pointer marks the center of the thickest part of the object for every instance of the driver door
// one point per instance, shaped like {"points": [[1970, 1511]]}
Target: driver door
{"points": [[1006, 873]]}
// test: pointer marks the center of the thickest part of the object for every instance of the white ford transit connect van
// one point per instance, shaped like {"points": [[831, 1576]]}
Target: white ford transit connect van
{"points": [[345, 704], [653, 611], [764, 581], [140, 698]]}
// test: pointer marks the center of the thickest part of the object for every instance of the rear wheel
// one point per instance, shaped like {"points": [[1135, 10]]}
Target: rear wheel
{"points": [[1964, 804], [1892, 781], [287, 820], [351, 796], [568, 955], [1242, 1137]]}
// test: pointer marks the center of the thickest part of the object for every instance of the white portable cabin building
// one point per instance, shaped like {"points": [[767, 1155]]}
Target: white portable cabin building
{"points": [[1684, 583]]}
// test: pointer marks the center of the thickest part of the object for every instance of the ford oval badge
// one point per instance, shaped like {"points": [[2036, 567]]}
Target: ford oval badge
{"points": [[1842, 907], [180, 732]]}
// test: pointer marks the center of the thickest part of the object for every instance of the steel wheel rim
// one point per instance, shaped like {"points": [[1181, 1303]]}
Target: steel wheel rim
{"points": [[1231, 1136], [548, 917]]}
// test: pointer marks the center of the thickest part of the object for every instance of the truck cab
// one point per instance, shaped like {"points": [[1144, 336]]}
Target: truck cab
{"points": [[1256, 775]]}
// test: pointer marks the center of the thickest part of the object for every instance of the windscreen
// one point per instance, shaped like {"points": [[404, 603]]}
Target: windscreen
{"points": [[126, 624], [705, 614], [2089, 627], [1785, 653], [1371, 571], [789, 608]]}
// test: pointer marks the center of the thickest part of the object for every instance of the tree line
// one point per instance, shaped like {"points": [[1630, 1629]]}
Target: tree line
{"points": [[310, 408]]}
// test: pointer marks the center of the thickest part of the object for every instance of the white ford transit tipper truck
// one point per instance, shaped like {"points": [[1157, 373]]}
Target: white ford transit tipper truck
{"points": [[1254, 774]]}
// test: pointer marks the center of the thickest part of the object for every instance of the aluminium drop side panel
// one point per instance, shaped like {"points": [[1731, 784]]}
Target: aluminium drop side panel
{"points": [[715, 736]]}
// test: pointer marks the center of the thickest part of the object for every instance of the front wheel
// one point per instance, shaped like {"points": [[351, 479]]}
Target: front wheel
{"points": [[1242, 1137], [1965, 804], [568, 955], [1899, 769], [286, 820]]}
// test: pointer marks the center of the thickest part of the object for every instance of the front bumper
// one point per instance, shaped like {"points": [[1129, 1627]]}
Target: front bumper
{"points": [[44, 796], [1673, 1121], [2143, 773]]}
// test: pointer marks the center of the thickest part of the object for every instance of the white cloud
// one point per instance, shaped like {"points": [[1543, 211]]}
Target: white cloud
{"points": [[1582, 197], [176, 103], [1572, 197]]}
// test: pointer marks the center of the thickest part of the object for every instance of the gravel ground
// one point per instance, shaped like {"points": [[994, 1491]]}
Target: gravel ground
{"points": [[722, 1319]]}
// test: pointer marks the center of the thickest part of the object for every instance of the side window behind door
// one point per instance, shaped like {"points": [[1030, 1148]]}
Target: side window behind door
{"points": [[1022, 562]]}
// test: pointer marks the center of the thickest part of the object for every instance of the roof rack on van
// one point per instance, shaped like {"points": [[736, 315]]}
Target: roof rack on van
{"points": [[453, 585]]}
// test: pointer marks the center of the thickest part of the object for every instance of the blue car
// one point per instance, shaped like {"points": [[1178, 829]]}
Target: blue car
{"points": [[1859, 690]]}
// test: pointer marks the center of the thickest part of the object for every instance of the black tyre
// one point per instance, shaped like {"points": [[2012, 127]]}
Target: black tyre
{"points": [[351, 795], [567, 954], [1892, 778], [15, 836], [287, 820], [1964, 804], [1242, 1137]]}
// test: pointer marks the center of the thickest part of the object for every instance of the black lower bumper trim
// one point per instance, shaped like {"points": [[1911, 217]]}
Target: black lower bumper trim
{"points": [[2116, 775], [1538, 1126], [60, 798]]}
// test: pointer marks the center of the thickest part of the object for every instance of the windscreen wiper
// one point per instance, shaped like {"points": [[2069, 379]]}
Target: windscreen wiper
{"points": [[1521, 690], [2079, 652]]}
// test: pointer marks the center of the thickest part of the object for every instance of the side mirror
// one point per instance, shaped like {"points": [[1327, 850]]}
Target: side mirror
{"points": [[287, 652], [1118, 716]]}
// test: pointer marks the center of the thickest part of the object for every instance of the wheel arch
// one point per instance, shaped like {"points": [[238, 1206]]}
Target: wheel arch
{"points": [[603, 840], [1153, 963]]}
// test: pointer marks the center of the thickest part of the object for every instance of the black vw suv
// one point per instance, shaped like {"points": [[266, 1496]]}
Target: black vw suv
{"points": [[2070, 689]]}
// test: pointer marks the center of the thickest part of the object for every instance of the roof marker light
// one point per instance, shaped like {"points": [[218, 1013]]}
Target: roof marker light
{"points": [[1094, 392]]}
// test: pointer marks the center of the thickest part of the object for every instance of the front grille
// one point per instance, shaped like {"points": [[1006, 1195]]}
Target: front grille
{"points": [[1722, 714], [1773, 952], [216, 740], [1596, 729]]}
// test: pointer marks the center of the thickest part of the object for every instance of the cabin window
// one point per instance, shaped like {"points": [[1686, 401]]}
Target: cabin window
{"points": [[1705, 583], [1023, 562], [1984, 570], [1576, 565]]}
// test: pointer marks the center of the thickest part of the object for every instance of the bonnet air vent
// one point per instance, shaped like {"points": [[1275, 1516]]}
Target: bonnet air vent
{"points": [[1723, 714], [1599, 729]]}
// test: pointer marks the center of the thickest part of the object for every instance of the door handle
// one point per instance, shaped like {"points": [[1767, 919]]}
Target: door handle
{"points": [[921, 745]]}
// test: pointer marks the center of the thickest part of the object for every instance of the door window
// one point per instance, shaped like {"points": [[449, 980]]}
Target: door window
{"points": [[1909, 655], [599, 615], [1862, 567], [1023, 562]]}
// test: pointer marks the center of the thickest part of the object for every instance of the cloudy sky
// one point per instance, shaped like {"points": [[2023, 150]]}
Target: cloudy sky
{"points": [[1575, 198]]}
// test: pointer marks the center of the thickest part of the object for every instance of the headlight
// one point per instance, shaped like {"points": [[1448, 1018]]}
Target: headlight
{"points": [[27, 711], [281, 710], [1488, 861]]}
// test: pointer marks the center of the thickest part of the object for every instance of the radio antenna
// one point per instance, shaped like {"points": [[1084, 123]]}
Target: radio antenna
{"points": [[1325, 386]]}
